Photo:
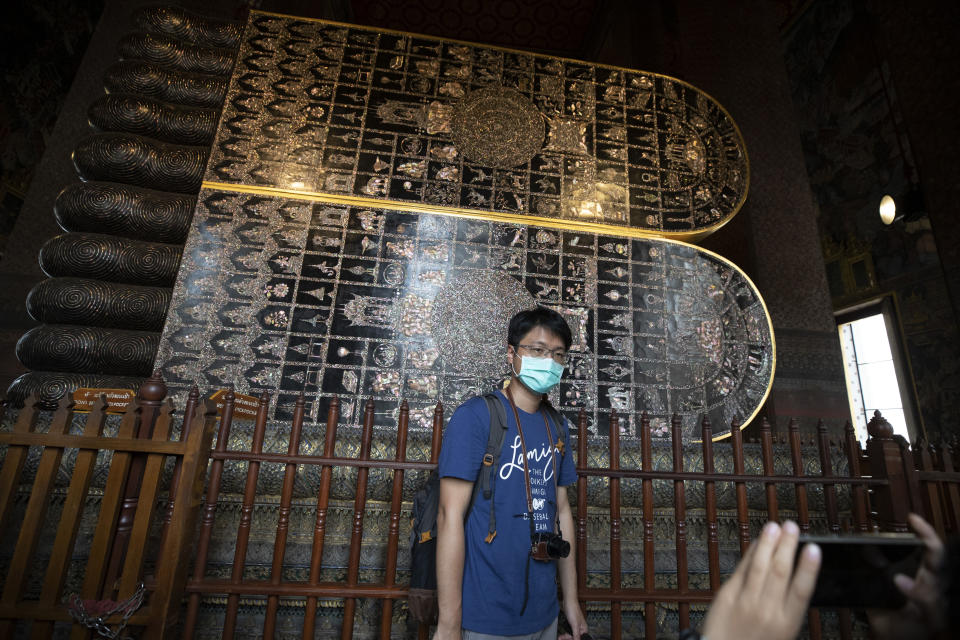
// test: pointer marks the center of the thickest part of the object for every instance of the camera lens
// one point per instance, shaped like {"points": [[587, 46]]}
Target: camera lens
{"points": [[558, 547]]}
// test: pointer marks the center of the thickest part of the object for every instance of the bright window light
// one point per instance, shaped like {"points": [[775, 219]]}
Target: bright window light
{"points": [[871, 375]]}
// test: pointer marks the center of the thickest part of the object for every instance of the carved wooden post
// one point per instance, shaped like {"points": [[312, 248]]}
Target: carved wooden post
{"points": [[892, 501], [800, 489], [393, 538], [857, 493], [320, 525], [149, 399], [743, 517], [951, 490], [649, 577], [582, 462], [616, 618], [826, 470], [246, 515], [710, 506], [911, 478], [766, 450], [680, 517]]}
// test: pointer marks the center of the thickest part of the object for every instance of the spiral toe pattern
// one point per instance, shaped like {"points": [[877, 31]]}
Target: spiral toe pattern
{"points": [[174, 22], [108, 295], [103, 257], [122, 157], [71, 348], [50, 386], [97, 303], [154, 119], [153, 81], [176, 55], [126, 211]]}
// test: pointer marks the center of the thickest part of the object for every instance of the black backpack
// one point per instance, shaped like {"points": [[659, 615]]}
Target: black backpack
{"points": [[422, 599]]}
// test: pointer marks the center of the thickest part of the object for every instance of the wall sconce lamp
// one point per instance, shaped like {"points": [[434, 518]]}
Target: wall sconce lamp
{"points": [[906, 207]]}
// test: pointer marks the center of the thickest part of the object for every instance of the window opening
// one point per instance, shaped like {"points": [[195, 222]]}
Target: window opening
{"points": [[871, 374]]}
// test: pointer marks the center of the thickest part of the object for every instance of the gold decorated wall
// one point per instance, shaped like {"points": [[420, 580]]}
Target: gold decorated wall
{"points": [[377, 205]]}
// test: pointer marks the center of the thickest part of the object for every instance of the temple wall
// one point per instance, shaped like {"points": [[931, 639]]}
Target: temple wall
{"points": [[377, 205], [749, 75]]}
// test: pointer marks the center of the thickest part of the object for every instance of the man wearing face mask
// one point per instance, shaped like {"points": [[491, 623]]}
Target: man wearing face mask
{"points": [[504, 583]]}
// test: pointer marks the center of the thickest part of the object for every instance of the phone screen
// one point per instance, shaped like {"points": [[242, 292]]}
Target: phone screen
{"points": [[857, 571]]}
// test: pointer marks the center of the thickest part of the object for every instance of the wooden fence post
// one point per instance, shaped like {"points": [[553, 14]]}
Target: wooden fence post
{"points": [[150, 397], [649, 578], [710, 505], [582, 463], [174, 560], [951, 490], [893, 499], [680, 519], [857, 494]]}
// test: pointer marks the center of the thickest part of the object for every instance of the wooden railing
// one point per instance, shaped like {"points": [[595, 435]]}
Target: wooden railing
{"points": [[113, 570], [313, 589], [936, 483], [883, 484]]}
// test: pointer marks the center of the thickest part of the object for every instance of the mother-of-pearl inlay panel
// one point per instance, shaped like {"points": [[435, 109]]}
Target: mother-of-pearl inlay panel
{"points": [[290, 295], [343, 110]]}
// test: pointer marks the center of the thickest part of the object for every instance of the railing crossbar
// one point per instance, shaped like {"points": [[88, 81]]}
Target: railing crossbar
{"points": [[882, 484]]}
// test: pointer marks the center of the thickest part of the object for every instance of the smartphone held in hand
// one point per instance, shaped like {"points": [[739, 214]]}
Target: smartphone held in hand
{"points": [[857, 571]]}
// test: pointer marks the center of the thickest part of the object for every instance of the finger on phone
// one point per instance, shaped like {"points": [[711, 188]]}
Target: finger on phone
{"points": [[922, 528], [928, 534], [804, 580], [756, 577], [781, 566], [904, 583]]}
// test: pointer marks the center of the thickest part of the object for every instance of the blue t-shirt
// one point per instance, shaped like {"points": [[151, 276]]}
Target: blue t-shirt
{"points": [[493, 574]]}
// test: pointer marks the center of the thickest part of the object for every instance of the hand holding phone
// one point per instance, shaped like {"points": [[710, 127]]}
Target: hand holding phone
{"points": [[766, 597], [858, 571], [926, 612]]}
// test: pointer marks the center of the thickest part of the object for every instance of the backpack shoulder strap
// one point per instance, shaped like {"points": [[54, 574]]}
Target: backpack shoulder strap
{"points": [[563, 440], [485, 481], [426, 504]]}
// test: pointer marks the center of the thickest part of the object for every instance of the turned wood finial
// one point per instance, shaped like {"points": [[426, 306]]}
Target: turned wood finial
{"points": [[153, 389], [878, 427]]}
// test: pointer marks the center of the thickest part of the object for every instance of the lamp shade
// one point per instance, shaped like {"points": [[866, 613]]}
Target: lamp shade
{"points": [[888, 209]]}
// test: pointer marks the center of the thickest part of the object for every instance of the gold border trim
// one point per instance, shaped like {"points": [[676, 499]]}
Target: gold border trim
{"points": [[690, 236], [773, 343], [493, 216], [419, 207]]}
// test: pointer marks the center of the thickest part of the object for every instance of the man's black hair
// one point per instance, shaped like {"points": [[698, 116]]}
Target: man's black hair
{"points": [[528, 319]]}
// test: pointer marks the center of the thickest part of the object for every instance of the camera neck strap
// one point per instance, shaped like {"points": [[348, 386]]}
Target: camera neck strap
{"points": [[526, 477], [526, 465]]}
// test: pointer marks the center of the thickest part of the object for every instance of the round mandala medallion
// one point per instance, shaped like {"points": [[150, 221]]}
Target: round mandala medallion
{"points": [[470, 318], [497, 127]]}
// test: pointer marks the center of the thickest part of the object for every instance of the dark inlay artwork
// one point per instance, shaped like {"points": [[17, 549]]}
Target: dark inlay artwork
{"points": [[349, 111], [296, 296], [378, 205]]}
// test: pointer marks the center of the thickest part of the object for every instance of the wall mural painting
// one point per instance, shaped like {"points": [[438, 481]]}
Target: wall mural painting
{"points": [[378, 205]]}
